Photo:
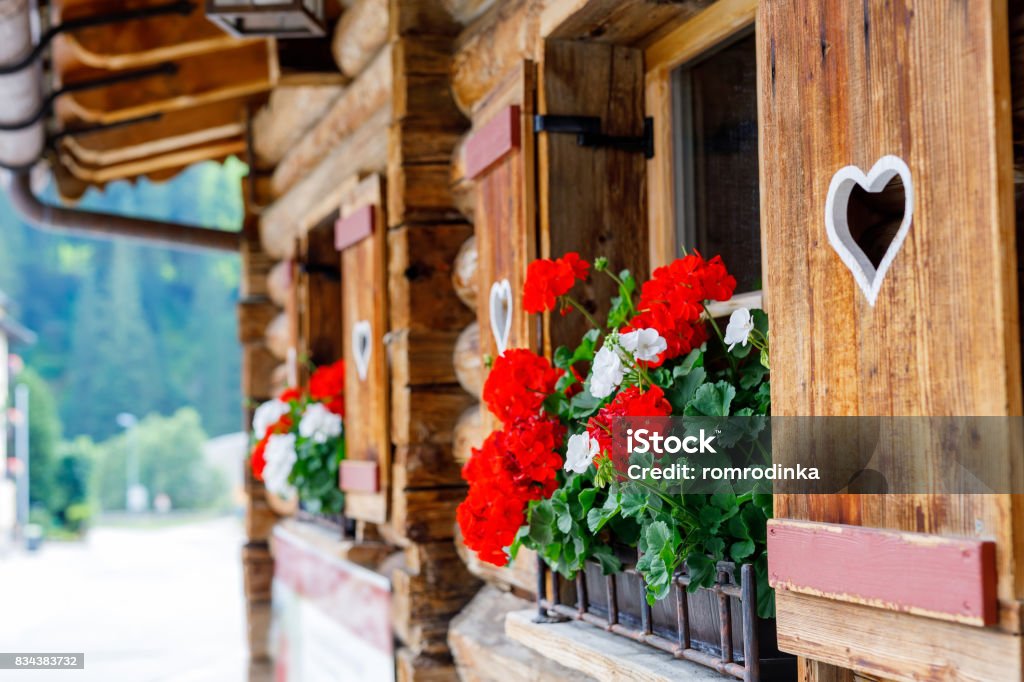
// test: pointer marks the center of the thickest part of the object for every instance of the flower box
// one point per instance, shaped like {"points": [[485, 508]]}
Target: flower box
{"points": [[336, 523], [717, 627]]}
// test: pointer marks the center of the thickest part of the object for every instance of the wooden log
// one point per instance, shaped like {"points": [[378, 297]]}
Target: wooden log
{"points": [[471, 431], [462, 187], [259, 519], [426, 515], [431, 595], [464, 275], [360, 32], [318, 194], [426, 415], [419, 278], [486, 51], [484, 653], [278, 336], [256, 268], [257, 571], [287, 116], [420, 193], [280, 281], [425, 466], [520, 574], [413, 142], [258, 617], [421, 357], [420, 18], [413, 667], [469, 364], [466, 11], [254, 315], [354, 108], [258, 365]]}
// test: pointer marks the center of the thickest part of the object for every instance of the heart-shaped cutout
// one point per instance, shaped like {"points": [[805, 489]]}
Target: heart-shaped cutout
{"points": [[868, 276], [501, 313], [361, 347]]}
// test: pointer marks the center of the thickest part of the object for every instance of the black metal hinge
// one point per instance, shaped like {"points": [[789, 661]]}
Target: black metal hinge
{"points": [[587, 130]]}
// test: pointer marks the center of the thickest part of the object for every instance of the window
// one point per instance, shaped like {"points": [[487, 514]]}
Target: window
{"points": [[717, 201]]}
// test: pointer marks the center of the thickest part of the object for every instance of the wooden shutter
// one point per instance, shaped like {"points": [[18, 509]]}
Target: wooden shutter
{"points": [[592, 199], [848, 83], [361, 235], [499, 158]]}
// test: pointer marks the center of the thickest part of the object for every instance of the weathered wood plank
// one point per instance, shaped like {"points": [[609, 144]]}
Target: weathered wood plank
{"points": [[419, 271], [894, 646], [426, 515], [633, 23], [927, 82], [592, 200], [421, 358]]}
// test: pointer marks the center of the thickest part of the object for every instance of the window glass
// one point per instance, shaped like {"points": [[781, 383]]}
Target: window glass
{"points": [[717, 196]]}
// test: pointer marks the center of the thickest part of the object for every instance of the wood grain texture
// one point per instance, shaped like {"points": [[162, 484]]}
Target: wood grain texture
{"points": [[290, 111], [632, 23], [364, 292], [317, 194], [926, 81], [419, 277], [491, 47], [199, 79], [928, 575], [592, 200], [363, 97], [360, 32], [903, 647]]}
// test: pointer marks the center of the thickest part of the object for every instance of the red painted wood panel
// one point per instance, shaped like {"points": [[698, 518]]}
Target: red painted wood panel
{"points": [[493, 141], [930, 575], [359, 476], [354, 227]]}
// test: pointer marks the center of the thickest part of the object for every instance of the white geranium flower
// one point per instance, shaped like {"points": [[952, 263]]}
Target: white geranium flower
{"points": [[266, 415], [606, 373], [280, 457], [581, 452], [644, 344], [741, 323], [319, 424]]}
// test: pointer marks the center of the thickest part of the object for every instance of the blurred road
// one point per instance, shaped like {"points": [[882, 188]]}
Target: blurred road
{"points": [[143, 605]]}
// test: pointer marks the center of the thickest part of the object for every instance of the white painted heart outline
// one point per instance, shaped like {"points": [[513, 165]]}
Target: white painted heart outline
{"points": [[362, 348], [501, 313], [868, 278]]}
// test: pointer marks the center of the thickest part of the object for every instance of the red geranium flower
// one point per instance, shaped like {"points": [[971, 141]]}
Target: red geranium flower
{"points": [[518, 384], [257, 459], [289, 394], [631, 402], [548, 279], [515, 465], [327, 386]]}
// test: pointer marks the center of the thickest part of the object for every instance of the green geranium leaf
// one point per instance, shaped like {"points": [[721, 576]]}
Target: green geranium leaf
{"points": [[606, 557], [562, 358], [741, 550], [711, 400]]}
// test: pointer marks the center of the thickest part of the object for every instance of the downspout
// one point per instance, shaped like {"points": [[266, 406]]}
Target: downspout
{"points": [[21, 95], [103, 225]]}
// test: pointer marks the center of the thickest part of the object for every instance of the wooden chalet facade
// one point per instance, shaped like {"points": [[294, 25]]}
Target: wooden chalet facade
{"points": [[405, 168]]}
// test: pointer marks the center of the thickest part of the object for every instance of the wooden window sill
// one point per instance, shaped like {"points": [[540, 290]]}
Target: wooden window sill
{"points": [[600, 654]]}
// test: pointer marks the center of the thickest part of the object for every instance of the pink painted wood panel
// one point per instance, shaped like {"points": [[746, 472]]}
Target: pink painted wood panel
{"points": [[354, 227], [930, 575], [354, 597], [493, 141], [359, 476]]}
